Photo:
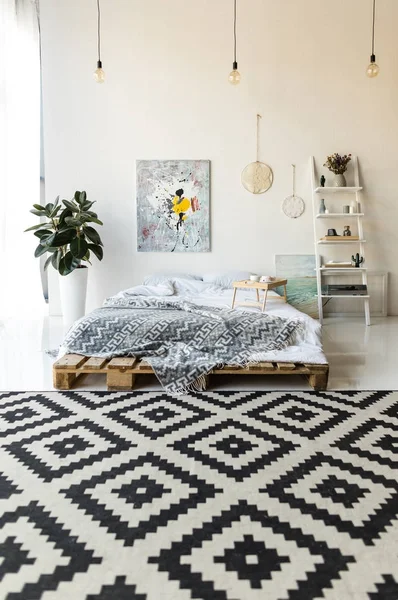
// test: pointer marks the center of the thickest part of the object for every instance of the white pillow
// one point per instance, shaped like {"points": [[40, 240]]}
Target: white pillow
{"points": [[189, 286], [225, 278], [164, 289], [162, 277]]}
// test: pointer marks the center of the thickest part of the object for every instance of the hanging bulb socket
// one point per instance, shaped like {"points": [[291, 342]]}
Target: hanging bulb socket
{"points": [[234, 66]]}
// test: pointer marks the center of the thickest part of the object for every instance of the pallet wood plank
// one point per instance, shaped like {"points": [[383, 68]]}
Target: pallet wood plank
{"points": [[63, 381], [116, 380], [94, 363], [70, 361], [319, 380], [121, 371], [122, 363]]}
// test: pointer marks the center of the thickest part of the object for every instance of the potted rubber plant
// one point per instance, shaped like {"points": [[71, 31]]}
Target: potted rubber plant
{"points": [[67, 235]]}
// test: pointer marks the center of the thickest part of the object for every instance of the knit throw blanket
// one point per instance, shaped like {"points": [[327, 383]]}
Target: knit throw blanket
{"points": [[180, 340]]}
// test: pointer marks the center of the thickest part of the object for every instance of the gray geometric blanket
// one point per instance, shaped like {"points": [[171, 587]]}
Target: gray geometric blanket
{"points": [[180, 340]]}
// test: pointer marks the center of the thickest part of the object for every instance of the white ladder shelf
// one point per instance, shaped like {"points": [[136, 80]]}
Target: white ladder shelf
{"points": [[319, 244]]}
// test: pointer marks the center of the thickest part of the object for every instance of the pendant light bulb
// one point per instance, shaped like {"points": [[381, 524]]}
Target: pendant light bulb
{"points": [[99, 73], [234, 76], [373, 68]]}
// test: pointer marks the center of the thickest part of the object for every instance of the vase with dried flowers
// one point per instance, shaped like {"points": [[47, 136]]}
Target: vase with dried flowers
{"points": [[338, 165]]}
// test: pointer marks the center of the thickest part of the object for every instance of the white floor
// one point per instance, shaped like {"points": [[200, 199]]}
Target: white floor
{"points": [[360, 358]]}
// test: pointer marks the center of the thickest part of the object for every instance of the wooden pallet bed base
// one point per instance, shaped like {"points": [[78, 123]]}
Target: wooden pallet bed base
{"points": [[121, 372]]}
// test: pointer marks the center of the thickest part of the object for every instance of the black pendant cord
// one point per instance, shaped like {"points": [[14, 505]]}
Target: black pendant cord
{"points": [[373, 31], [99, 30], [235, 62]]}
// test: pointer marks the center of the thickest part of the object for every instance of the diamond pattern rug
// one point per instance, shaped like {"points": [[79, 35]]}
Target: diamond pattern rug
{"points": [[215, 495]]}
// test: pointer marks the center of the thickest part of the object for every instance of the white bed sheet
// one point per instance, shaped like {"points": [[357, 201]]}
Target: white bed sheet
{"points": [[308, 344]]}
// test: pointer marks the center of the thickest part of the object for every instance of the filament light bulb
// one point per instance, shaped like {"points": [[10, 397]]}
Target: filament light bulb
{"points": [[373, 69], [99, 73], [234, 76]]}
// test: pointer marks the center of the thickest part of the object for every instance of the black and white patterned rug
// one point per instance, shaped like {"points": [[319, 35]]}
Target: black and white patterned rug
{"points": [[215, 495]]}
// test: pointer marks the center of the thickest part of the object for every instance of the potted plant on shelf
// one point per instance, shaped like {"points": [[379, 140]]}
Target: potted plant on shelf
{"points": [[338, 165], [70, 240]]}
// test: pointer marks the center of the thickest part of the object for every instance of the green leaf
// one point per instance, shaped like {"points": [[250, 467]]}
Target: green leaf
{"points": [[65, 213], [86, 205], [41, 232], [72, 222], [71, 206], [39, 207], [40, 250], [78, 247], [62, 268], [39, 226], [92, 235], [83, 197], [49, 259], [64, 237], [55, 259], [54, 212], [71, 262], [48, 208], [38, 213], [94, 220], [48, 240], [97, 250], [77, 196], [91, 213], [87, 256]]}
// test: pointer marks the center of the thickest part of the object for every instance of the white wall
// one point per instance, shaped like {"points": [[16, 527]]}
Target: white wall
{"points": [[166, 96]]}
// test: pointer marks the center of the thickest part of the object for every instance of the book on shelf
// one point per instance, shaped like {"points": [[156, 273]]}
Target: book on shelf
{"points": [[351, 289]]}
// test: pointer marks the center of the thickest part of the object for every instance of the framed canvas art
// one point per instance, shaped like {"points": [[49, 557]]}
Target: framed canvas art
{"points": [[173, 205], [302, 291]]}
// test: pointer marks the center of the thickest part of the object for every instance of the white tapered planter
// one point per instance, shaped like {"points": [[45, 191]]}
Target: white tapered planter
{"points": [[73, 288]]}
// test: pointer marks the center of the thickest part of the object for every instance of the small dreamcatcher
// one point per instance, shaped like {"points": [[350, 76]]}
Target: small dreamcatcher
{"points": [[257, 177], [293, 206]]}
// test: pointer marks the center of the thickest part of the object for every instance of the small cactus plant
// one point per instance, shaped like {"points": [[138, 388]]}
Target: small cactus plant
{"points": [[358, 260]]}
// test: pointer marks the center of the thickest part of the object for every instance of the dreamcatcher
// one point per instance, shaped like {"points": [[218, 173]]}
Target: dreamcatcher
{"points": [[257, 177], [293, 206]]}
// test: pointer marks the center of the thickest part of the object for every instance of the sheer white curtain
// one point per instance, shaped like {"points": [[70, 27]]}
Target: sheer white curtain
{"points": [[20, 285]]}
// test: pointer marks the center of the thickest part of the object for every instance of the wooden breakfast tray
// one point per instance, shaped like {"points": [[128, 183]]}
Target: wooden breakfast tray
{"points": [[121, 372]]}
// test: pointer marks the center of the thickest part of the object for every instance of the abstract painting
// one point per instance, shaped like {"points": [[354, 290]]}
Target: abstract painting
{"points": [[173, 205], [299, 270]]}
